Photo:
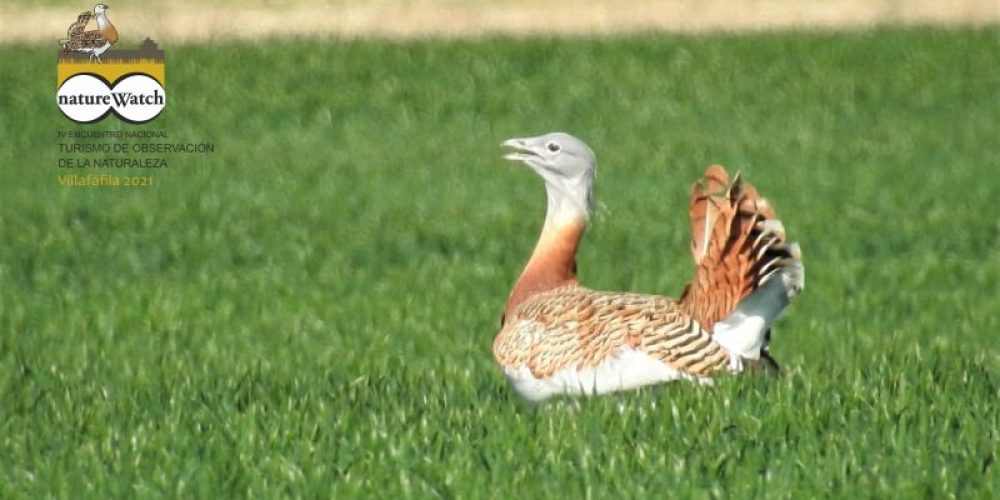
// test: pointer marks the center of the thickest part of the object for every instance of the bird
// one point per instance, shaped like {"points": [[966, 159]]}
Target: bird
{"points": [[94, 42], [559, 338]]}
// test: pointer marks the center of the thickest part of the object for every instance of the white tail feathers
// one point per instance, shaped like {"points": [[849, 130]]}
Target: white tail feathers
{"points": [[746, 272], [744, 331]]}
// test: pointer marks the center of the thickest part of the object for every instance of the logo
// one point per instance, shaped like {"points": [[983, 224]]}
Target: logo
{"points": [[95, 81]]}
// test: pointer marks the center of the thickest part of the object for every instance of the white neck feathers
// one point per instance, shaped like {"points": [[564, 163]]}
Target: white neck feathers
{"points": [[568, 203], [553, 262]]}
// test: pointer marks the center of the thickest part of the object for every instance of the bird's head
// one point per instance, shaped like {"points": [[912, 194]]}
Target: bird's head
{"points": [[100, 8], [565, 163]]}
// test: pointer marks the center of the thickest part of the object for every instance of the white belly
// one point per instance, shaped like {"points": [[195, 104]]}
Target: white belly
{"points": [[626, 369]]}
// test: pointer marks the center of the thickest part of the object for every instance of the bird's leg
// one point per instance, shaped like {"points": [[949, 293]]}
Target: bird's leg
{"points": [[735, 363], [765, 366]]}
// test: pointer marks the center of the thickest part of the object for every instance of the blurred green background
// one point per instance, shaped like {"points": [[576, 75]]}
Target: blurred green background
{"points": [[309, 310]]}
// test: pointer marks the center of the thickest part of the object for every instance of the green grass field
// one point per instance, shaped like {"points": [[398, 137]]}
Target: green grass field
{"points": [[310, 310]]}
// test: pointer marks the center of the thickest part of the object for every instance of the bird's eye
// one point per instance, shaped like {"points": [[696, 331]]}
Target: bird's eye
{"points": [[552, 146]]}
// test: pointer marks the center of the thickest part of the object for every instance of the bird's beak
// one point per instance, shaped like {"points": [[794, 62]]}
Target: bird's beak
{"points": [[521, 151]]}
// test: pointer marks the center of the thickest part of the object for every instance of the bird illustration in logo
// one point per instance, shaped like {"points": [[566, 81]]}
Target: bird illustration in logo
{"points": [[93, 42]]}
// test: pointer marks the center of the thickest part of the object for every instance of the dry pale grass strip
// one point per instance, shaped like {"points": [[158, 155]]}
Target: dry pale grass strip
{"points": [[187, 21]]}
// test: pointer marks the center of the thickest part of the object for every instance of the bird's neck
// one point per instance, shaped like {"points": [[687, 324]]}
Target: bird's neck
{"points": [[553, 262], [102, 21]]}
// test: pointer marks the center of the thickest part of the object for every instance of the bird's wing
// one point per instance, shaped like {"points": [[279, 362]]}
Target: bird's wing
{"points": [[737, 244], [87, 40], [111, 33], [574, 327]]}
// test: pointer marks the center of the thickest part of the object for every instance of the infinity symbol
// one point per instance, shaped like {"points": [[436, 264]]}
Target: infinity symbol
{"points": [[89, 98]]}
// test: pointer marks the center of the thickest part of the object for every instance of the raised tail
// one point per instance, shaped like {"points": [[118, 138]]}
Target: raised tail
{"points": [[746, 272], [75, 30], [79, 26]]}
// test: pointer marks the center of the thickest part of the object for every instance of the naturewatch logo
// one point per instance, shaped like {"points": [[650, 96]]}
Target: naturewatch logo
{"points": [[94, 81]]}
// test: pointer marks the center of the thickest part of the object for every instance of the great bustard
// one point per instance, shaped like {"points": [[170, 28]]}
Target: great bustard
{"points": [[560, 338], [93, 42]]}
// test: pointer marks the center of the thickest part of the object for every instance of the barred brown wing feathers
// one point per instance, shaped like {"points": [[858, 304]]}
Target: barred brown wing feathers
{"points": [[573, 327], [683, 344], [87, 40], [555, 330]]}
